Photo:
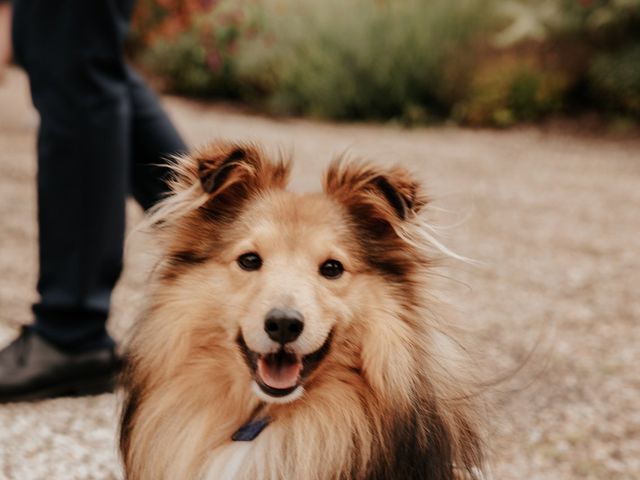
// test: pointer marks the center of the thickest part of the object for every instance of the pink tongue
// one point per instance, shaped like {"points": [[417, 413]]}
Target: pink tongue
{"points": [[279, 376]]}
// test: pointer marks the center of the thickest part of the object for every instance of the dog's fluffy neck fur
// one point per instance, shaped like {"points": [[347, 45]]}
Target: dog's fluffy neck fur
{"points": [[348, 425]]}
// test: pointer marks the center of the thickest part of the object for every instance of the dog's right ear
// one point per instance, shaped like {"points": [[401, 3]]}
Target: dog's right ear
{"points": [[373, 194], [233, 172]]}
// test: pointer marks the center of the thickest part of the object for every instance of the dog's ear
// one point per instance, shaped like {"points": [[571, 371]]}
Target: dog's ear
{"points": [[373, 193], [233, 172]]}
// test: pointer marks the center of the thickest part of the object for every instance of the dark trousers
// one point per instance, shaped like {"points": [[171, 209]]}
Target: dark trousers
{"points": [[103, 135]]}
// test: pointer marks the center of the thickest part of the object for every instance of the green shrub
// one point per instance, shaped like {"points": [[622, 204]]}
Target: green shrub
{"points": [[614, 78], [510, 90], [593, 43], [360, 58], [199, 60], [182, 63]]}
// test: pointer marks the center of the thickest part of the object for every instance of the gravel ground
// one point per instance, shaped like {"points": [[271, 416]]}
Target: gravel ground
{"points": [[553, 216]]}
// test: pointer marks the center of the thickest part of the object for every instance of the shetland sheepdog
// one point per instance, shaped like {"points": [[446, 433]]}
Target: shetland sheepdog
{"points": [[292, 336]]}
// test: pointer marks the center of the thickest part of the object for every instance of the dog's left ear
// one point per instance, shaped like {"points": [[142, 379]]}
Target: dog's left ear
{"points": [[231, 172], [371, 192]]}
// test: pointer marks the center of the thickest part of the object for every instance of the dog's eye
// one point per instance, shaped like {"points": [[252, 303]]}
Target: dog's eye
{"points": [[250, 261], [331, 269]]}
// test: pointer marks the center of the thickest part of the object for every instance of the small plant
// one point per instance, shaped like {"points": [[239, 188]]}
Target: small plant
{"points": [[199, 59], [614, 78], [511, 90]]}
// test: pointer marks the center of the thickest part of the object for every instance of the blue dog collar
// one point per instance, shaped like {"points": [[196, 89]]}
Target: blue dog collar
{"points": [[250, 430]]}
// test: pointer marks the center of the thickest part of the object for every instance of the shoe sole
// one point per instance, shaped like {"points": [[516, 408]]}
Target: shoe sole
{"points": [[71, 388]]}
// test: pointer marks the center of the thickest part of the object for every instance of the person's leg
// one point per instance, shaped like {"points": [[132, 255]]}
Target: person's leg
{"points": [[154, 140], [72, 52], [101, 131]]}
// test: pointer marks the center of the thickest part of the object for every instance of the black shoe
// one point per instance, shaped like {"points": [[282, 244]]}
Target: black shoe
{"points": [[31, 368]]}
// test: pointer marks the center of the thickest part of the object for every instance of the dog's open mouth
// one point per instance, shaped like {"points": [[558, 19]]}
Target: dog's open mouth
{"points": [[280, 374]]}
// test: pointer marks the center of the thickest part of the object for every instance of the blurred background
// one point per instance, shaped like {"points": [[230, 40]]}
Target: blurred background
{"points": [[520, 116], [473, 62]]}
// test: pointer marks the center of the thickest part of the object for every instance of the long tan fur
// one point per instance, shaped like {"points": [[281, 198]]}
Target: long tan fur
{"points": [[388, 400]]}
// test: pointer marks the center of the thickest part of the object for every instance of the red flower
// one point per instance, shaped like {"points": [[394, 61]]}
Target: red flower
{"points": [[214, 61]]}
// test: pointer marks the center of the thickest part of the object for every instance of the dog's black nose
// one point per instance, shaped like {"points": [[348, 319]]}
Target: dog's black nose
{"points": [[283, 325]]}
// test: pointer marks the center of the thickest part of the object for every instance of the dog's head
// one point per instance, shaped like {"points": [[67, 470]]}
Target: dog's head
{"points": [[283, 276]]}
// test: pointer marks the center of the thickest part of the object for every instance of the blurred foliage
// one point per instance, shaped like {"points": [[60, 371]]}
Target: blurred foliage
{"points": [[339, 59], [508, 90], [605, 74], [545, 19], [615, 79], [481, 62], [191, 44], [407, 59]]}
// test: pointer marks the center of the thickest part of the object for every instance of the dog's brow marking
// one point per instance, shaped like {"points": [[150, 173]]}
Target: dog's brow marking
{"points": [[187, 257]]}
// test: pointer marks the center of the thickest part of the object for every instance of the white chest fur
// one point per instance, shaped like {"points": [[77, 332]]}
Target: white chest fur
{"points": [[228, 462]]}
